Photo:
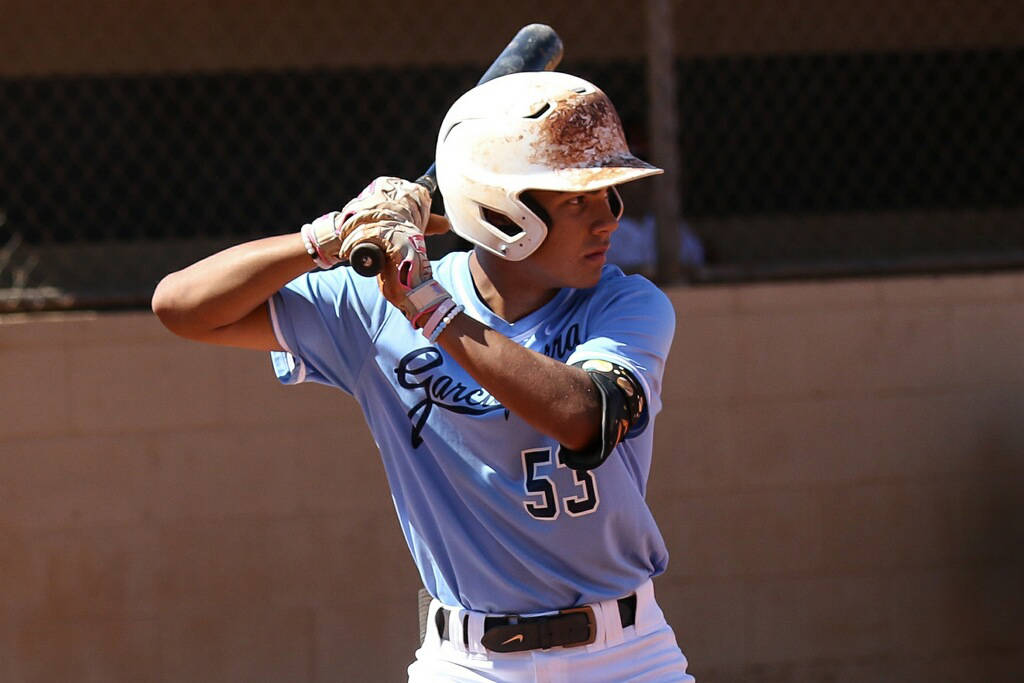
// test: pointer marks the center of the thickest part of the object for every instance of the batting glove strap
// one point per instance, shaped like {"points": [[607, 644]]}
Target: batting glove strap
{"points": [[322, 240], [422, 300]]}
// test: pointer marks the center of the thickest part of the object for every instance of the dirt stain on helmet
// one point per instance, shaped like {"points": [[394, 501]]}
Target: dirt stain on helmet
{"points": [[582, 131]]}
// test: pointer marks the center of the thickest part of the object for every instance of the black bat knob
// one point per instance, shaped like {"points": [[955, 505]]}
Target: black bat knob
{"points": [[367, 259]]}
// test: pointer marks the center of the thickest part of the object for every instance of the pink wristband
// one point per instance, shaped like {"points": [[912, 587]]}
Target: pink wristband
{"points": [[449, 316], [438, 315]]}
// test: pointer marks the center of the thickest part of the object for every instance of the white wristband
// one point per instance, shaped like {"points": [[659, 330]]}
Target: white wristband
{"points": [[321, 240], [443, 309], [308, 244], [450, 316]]}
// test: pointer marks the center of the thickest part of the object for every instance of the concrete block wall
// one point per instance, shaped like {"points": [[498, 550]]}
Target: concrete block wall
{"points": [[169, 512], [841, 479], [837, 476]]}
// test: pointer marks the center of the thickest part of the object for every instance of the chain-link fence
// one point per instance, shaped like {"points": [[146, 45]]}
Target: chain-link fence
{"points": [[793, 163]]}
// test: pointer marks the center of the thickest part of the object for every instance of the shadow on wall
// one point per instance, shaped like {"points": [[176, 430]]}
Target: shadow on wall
{"points": [[988, 590]]}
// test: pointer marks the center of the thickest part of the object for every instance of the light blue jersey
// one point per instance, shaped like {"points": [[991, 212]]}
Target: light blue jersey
{"points": [[493, 521]]}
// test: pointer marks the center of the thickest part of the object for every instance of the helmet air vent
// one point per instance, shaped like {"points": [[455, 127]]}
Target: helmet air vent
{"points": [[540, 112], [449, 131]]}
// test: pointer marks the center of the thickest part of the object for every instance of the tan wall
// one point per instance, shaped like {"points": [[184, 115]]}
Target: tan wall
{"points": [[138, 36], [837, 475]]}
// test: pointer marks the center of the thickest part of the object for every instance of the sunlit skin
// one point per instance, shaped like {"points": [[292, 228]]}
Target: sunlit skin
{"points": [[572, 255]]}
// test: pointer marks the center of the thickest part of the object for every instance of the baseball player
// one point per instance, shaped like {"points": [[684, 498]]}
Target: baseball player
{"points": [[512, 389]]}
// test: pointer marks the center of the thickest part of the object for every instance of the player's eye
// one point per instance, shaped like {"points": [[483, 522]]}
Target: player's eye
{"points": [[589, 197]]}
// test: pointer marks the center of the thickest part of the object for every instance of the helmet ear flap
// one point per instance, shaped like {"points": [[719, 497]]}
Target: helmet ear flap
{"points": [[501, 222], [533, 205]]}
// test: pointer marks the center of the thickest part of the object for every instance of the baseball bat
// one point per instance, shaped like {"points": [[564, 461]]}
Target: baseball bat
{"points": [[536, 47]]}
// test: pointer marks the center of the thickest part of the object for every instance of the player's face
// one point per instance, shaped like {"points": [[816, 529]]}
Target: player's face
{"points": [[581, 227]]}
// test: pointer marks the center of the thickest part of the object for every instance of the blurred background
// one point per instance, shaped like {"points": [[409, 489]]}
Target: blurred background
{"points": [[802, 138], [840, 228]]}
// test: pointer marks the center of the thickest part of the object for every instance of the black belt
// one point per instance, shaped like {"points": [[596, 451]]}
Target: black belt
{"points": [[512, 633]]}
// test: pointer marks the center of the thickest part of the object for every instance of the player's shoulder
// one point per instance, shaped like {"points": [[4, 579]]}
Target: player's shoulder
{"points": [[613, 278], [617, 288]]}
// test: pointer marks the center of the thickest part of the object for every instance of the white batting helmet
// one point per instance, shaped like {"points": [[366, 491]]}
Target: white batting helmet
{"points": [[527, 131]]}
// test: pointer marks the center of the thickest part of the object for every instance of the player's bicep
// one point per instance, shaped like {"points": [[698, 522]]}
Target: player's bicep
{"points": [[253, 331]]}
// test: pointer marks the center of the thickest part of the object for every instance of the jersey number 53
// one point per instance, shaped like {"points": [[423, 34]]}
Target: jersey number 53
{"points": [[545, 502]]}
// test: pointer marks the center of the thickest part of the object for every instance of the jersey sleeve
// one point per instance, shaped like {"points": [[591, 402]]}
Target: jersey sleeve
{"points": [[326, 322], [632, 325]]}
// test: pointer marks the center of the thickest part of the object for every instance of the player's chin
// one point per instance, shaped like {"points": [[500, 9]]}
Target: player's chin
{"points": [[587, 277]]}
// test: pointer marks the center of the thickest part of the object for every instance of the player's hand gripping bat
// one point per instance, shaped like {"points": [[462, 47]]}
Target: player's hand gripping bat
{"points": [[536, 47]]}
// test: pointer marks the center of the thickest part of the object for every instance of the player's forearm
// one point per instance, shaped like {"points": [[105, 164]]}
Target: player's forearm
{"points": [[223, 288], [554, 398]]}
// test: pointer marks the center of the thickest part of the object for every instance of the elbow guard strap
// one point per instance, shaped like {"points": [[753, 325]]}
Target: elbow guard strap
{"points": [[622, 403]]}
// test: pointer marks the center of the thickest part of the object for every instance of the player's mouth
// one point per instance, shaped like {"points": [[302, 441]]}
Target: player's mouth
{"points": [[597, 255]]}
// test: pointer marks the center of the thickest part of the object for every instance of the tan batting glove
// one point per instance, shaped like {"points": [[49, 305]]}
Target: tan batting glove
{"points": [[386, 199], [407, 280], [330, 238]]}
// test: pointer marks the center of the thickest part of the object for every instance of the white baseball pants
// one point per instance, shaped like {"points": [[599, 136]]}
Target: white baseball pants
{"points": [[646, 651]]}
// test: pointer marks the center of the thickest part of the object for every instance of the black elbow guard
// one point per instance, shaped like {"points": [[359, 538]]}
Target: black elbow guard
{"points": [[623, 405]]}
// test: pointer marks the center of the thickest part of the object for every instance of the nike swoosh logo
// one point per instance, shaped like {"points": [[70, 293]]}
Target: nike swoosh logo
{"points": [[514, 639]]}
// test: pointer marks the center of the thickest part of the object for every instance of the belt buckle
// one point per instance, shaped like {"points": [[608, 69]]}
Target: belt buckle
{"points": [[591, 623]]}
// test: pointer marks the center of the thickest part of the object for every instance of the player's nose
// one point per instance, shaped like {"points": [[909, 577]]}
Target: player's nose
{"points": [[607, 227], [605, 221]]}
